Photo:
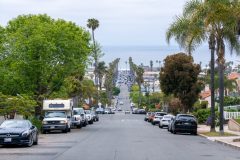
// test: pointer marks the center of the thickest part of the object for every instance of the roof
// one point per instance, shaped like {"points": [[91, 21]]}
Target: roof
{"points": [[205, 94], [233, 75]]}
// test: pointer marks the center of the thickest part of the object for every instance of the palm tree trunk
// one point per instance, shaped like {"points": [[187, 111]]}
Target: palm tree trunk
{"points": [[212, 47], [96, 64], [221, 63], [139, 96]]}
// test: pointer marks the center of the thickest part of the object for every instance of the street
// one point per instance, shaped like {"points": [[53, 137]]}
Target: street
{"points": [[120, 137]]}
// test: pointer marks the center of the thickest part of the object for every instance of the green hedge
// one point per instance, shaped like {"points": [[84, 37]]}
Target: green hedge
{"points": [[36, 122], [202, 115]]}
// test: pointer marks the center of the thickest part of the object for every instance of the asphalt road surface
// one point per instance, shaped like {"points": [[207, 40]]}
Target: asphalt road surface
{"points": [[121, 137]]}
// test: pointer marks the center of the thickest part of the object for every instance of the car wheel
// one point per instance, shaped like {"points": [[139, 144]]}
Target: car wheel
{"points": [[65, 130], [30, 141], [36, 140], [97, 119], [79, 126], [194, 133], [174, 132], [69, 129], [44, 131]]}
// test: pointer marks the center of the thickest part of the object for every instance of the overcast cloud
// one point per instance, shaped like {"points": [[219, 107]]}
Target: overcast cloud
{"points": [[122, 22]]}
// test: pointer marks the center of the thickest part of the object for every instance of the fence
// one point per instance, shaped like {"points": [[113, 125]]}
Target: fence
{"points": [[229, 115]]}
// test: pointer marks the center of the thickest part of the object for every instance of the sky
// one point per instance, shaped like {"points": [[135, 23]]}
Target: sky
{"points": [[122, 22]]}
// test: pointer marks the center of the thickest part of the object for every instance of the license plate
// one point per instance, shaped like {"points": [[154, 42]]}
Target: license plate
{"points": [[52, 127], [7, 139], [187, 123]]}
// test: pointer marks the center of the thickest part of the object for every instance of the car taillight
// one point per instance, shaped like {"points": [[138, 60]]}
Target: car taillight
{"points": [[178, 122]]}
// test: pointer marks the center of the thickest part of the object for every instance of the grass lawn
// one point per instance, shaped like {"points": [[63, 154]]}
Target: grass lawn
{"points": [[237, 120], [216, 134]]}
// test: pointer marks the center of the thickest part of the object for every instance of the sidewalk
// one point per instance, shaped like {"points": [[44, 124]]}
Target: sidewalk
{"points": [[227, 141]]}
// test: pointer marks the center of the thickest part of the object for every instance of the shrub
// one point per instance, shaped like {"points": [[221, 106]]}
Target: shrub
{"points": [[202, 115], [36, 122]]}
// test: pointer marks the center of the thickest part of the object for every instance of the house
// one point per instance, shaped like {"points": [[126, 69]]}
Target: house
{"points": [[206, 96]]}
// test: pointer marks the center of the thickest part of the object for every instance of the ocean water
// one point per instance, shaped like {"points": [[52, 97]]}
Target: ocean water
{"points": [[143, 54]]}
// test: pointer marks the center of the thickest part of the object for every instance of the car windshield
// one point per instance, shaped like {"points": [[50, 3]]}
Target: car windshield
{"points": [[167, 117], [76, 112], [87, 111], [186, 118], [55, 114], [14, 124], [160, 114]]}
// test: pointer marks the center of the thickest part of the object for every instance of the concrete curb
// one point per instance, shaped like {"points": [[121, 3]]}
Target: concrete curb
{"points": [[227, 144], [202, 135], [220, 142]]}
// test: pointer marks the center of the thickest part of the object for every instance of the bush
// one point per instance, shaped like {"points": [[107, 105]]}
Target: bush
{"points": [[202, 115], [200, 105], [36, 122]]}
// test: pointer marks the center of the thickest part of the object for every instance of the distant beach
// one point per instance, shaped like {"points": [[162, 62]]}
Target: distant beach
{"points": [[143, 54]]}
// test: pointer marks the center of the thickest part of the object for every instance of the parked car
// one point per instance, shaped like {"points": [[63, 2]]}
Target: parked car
{"points": [[58, 115], [100, 110], [121, 102], [107, 111], [141, 111], [89, 116], [157, 117], [119, 109], [151, 117], [95, 116], [79, 118], [170, 124], [18, 132], [135, 111], [184, 123], [127, 112], [148, 114], [164, 122]]}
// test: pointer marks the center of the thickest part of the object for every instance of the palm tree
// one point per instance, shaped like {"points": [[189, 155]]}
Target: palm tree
{"points": [[100, 72], [93, 24], [159, 63], [139, 79], [215, 20], [151, 65]]}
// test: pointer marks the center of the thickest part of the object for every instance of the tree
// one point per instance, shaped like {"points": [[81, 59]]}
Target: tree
{"points": [[20, 104], [116, 91], [39, 53], [93, 24], [110, 79], [179, 77], [139, 79], [151, 65], [209, 19], [100, 72]]}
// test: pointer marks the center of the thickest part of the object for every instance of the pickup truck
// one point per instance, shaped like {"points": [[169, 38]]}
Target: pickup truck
{"points": [[79, 118]]}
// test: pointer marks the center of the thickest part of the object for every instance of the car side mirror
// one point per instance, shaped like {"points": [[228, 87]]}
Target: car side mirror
{"points": [[32, 127]]}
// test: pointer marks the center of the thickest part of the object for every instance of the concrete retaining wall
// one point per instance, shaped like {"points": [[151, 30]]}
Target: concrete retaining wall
{"points": [[233, 125]]}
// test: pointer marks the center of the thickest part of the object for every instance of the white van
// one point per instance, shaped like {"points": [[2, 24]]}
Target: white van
{"points": [[58, 114]]}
